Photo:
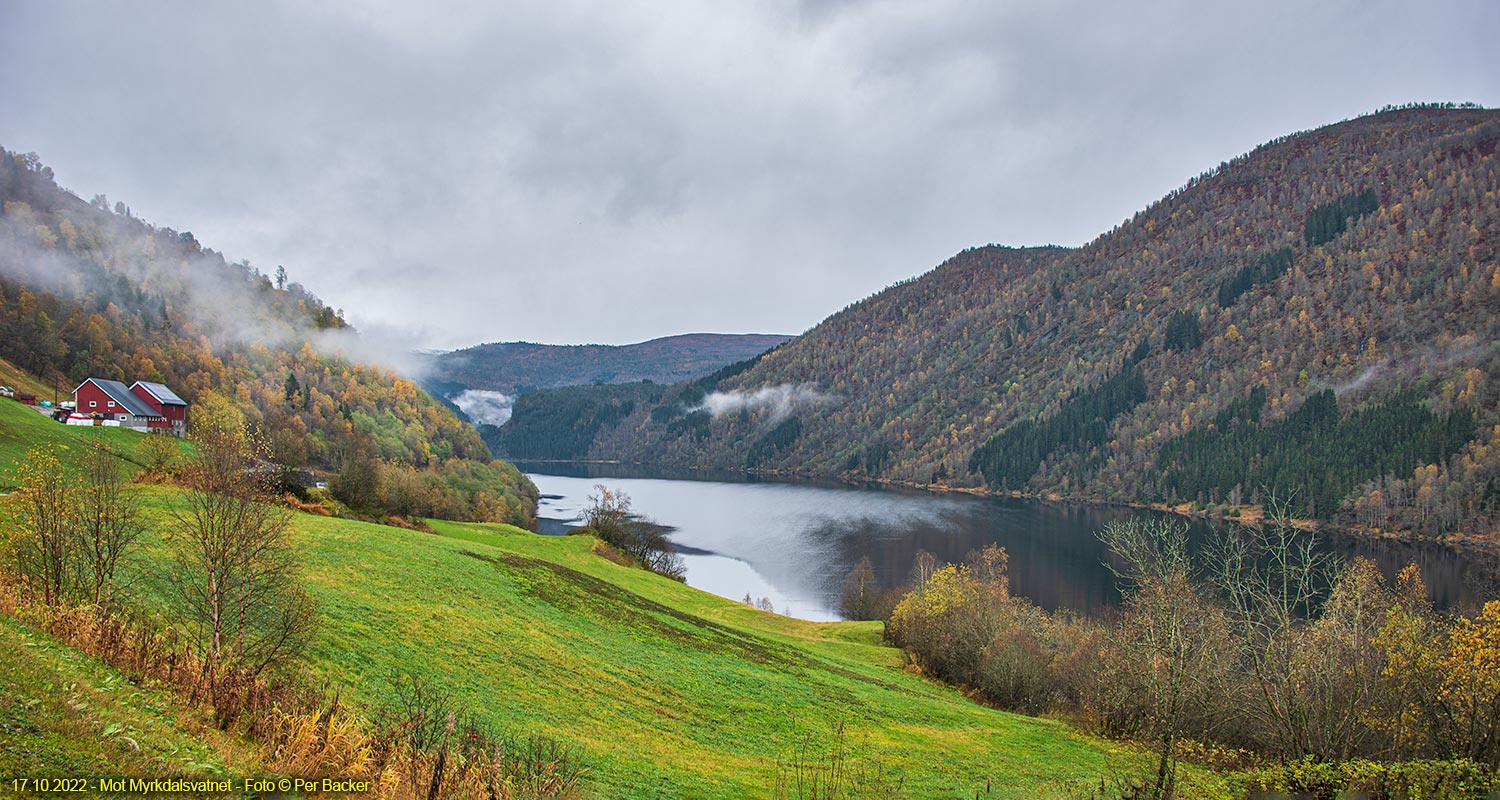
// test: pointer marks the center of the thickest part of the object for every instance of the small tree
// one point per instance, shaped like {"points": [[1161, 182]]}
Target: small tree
{"points": [[1273, 578], [1338, 666], [109, 523], [924, 564], [1412, 640], [648, 542], [1169, 640], [158, 453], [609, 517], [1471, 686], [357, 483], [46, 527], [607, 512], [860, 598], [236, 575], [1441, 679]]}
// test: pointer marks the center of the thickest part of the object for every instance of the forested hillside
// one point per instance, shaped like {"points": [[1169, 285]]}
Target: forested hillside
{"points": [[520, 367], [87, 289], [1318, 318]]}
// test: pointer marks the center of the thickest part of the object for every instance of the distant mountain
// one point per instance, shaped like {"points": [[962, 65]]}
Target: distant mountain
{"points": [[1318, 319], [519, 367]]}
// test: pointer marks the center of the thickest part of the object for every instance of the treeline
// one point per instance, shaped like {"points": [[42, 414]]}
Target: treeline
{"points": [[1268, 267], [685, 399], [523, 367], [1318, 455], [561, 424], [693, 393], [1328, 221], [774, 441], [456, 489], [91, 292], [568, 422], [1010, 458], [1261, 647]]}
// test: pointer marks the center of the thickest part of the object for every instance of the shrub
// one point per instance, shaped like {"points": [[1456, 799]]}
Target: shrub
{"points": [[609, 517], [1407, 780], [963, 625]]}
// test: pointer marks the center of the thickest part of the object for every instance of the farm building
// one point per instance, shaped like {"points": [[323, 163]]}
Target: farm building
{"points": [[114, 402], [164, 401]]}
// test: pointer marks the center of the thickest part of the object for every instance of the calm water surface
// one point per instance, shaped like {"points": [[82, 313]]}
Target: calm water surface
{"points": [[795, 542]]}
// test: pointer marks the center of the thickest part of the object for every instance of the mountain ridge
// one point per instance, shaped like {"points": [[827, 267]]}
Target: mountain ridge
{"points": [[519, 367], [1402, 296]]}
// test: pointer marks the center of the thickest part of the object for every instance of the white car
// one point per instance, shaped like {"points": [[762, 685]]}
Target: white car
{"points": [[6, 391]]}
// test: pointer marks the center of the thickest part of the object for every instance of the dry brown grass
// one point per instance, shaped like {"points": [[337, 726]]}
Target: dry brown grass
{"points": [[302, 729]]}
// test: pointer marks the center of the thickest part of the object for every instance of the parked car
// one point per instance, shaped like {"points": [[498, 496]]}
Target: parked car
{"points": [[6, 391]]}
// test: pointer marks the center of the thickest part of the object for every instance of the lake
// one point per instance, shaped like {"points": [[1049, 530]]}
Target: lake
{"points": [[794, 542]]}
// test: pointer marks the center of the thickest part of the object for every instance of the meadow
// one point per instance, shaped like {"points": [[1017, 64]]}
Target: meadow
{"points": [[663, 691]]}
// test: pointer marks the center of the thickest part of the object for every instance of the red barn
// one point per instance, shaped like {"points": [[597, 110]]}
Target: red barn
{"points": [[164, 401], [113, 401]]}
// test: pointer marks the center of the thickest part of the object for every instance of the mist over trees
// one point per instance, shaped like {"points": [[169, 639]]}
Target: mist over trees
{"points": [[86, 291]]}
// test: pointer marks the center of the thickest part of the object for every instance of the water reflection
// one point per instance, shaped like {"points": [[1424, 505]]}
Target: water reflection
{"points": [[793, 543]]}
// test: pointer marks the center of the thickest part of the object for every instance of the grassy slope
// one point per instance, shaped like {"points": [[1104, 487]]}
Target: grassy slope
{"points": [[666, 691], [64, 714], [23, 381], [22, 428], [669, 691]]}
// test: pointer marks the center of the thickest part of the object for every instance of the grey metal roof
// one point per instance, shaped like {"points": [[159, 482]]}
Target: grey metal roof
{"points": [[120, 393], [161, 393]]}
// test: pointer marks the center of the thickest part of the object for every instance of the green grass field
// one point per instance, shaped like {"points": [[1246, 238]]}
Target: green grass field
{"points": [[22, 428], [665, 691]]}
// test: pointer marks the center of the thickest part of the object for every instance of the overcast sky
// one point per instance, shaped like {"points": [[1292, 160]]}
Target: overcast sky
{"points": [[567, 172]]}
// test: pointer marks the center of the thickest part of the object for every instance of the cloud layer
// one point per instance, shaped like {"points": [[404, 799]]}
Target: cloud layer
{"points": [[485, 407], [782, 399], [583, 172]]}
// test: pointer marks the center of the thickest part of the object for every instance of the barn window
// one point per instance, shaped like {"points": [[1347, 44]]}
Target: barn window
{"points": [[93, 403]]}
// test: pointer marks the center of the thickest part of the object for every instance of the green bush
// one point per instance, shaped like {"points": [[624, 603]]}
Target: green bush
{"points": [[1405, 780]]}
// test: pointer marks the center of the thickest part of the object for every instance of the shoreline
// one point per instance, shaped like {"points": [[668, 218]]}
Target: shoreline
{"points": [[1250, 515]]}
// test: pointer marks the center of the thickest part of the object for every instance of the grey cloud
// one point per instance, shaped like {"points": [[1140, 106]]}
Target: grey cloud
{"points": [[574, 172]]}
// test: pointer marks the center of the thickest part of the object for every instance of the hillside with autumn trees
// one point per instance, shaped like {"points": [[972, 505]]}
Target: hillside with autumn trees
{"points": [[89, 290], [1319, 319]]}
